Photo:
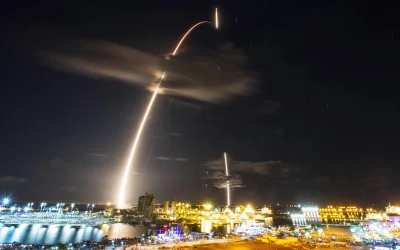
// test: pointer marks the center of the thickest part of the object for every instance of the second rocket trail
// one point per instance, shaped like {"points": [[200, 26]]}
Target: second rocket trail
{"points": [[228, 194]]}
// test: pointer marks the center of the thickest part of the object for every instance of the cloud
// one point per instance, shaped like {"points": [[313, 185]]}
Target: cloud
{"points": [[220, 180], [162, 158], [275, 171], [262, 168], [206, 75], [12, 180], [188, 104]]}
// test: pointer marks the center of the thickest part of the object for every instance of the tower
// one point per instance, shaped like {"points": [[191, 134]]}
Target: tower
{"points": [[146, 205]]}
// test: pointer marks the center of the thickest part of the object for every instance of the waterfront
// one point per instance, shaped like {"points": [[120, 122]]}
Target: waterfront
{"points": [[59, 233]]}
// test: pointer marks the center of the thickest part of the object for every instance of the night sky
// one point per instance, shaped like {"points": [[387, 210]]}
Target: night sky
{"points": [[302, 96]]}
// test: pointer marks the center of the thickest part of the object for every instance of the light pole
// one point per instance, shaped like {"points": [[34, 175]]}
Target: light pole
{"points": [[121, 195]]}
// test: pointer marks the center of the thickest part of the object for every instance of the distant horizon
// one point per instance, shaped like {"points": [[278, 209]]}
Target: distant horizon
{"points": [[215, 204]]}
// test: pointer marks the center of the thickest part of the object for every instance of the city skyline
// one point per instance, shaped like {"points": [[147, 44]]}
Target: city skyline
{"points": [[309, 114]]}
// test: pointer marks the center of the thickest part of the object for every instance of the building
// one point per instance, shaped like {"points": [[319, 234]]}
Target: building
{"points": [[146, 205]]}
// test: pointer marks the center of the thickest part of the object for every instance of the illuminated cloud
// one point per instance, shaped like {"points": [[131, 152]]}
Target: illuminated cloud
{"points": [[205, 75]]}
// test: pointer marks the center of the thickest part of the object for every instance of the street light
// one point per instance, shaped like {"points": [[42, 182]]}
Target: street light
{"points": [[208, 206], [43, 206], [6, 201]]}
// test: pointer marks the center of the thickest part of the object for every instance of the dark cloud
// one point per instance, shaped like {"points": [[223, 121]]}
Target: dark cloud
{"points": [[220, 180], [192, 75], [163, 158], [263, 168], [187, 104], [12, 180]]}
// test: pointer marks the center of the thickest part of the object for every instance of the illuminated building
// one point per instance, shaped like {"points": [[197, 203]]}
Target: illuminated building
{"points": [[146, 205], [339, 214], [351, 213], [393, 210], [166, 207]]}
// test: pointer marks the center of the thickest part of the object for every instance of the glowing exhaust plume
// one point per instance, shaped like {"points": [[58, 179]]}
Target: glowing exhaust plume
{"points": [[228, 195], [122, 193], [216, 18], [134, 146]]}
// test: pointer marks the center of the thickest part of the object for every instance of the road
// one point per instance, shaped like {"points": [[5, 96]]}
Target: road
{"points": [[258, 245], [243, 245]]}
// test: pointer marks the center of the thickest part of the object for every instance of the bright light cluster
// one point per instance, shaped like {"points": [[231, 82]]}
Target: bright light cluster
{"points": [[298, 216], [393, 210], [208, 206], [266, 210], [216, 215], [310, 209]]}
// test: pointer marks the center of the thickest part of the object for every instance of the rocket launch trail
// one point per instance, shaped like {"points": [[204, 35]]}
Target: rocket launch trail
{"points": [[134, 146], [122, 193]]}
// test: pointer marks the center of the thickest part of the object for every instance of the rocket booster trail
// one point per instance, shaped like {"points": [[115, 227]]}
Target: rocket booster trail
{"points": [[124, 181], [228, 193], [134, 146], [186, 34]]}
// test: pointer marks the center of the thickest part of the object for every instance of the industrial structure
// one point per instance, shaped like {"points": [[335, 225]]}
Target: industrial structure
{"points": [[146, 205]]}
